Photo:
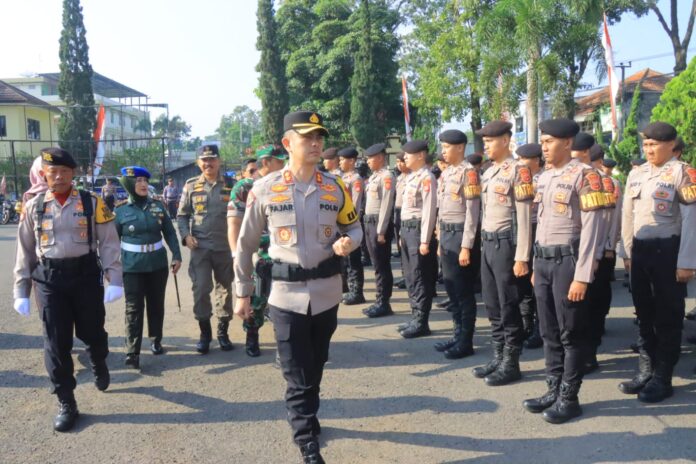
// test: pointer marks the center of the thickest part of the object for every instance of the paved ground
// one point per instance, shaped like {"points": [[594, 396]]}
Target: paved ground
{"points": [[384, 399]]}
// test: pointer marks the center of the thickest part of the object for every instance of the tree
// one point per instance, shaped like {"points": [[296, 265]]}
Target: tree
{"points": [[677, 106], [679, 46], [238, 132], [176, 129], [362, 104], [78, 120], [629, 147], [272, 89]]}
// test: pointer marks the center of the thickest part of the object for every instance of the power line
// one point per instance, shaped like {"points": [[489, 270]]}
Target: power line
{"points": [[661, 55]]}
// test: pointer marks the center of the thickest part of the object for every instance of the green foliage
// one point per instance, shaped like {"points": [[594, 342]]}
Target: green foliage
{"points": [[273, 87], [78, 120], [239, 132], [149, 157], [362, 104], [176, 129], [677, 106]]}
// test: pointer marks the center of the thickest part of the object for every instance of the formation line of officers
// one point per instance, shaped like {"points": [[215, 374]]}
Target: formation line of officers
{"points": [[537, 234]]}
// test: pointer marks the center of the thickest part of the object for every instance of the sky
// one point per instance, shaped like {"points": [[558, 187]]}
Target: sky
{"points": [[199, 56]]}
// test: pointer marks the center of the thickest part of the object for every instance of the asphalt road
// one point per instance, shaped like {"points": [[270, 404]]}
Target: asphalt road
{"points": [[384, 399]]}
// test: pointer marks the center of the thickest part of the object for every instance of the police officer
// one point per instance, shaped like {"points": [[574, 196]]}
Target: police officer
{"points": [[59, 234], [418, 245], [658, 223], [570, 201], [379, 227], [530, 155], [459, 192], [108, 194], [507, 193], [312, 222], [171, 194], [398, 202], [330, 161], [141, 223], [202, 222], [355, 274], [272, 159], [476, 160]]}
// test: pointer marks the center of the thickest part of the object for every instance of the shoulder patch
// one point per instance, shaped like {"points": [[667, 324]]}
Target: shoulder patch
{"points": [[591, 195], [524, 189], [687, 186], [102, 212]]}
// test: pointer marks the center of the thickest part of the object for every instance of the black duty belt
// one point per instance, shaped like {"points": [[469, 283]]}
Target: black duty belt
{"points": [[371, 219], [451, 226], [652, 243], [495, 236], [411, 224], [556, 252], [295, 273], [69, 264]]}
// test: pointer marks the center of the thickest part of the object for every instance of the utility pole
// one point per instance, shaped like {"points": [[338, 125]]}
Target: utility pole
{"points": [[623, 67]]}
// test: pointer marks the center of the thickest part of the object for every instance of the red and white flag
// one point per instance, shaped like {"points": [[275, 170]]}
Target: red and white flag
{"points": [[407, 116], [99, 140], [614, 83]]}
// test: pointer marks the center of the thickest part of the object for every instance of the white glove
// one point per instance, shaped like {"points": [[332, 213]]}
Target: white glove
{"points": [[21, 305], [112, 293]]}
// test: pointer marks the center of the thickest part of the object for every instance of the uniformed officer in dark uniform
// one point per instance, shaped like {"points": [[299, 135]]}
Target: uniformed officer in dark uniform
{"points": [[141, 223], [570, 203], [506, 230], [380, 194], [58, 238], [355, 273], [459, 200], [418, 244], [202, 222], [658, 223], [312, 223]]}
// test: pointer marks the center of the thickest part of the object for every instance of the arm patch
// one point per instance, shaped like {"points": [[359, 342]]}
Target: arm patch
{"points": [[524, 188], [472, 185], [347, 214], [592, 196], [687, 187], [102, 214]]}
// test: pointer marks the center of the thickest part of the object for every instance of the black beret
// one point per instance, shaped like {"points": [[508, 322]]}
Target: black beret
{"points": [[529, 150], [596, 152], [415, 146], [474, 159], [304, 122], [608, 163], [400, 156], [495, 129], [209, 151], [55, 156], [330, 153], [679, 145], [562, 128], [453, 136], [660, 131], [637, 161], [583, 141], [348, 152], [376, 149]]}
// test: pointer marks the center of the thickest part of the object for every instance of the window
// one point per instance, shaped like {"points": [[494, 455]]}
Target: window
{"points": [[47, 89], [33, 129], [519, 124], [3, 126]]}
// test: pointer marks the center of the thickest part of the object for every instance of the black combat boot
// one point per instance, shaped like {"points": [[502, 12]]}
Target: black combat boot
{"points": [[203, 344], [67, 413], [133, 360], [384, 309], [456, 334], [645, 373], [464, 344], [223, 338], [545, 401], [310, 453], [102, 378], [509, 368], [591, 364], [566, 406], [659, 387], [444, 304], [156, 348], [419, 326], [405, 325], [534, 340], [355, 295], [492, 365], [252, 342]]}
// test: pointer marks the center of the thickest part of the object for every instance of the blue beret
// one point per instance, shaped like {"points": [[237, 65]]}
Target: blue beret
{"points": [[453, 136], [583, 141], [563, 128], [135, 171], [55, 156], [376, 149], [415, 146], [529, 150], [495, 129], [660, 131], [348, 152]]}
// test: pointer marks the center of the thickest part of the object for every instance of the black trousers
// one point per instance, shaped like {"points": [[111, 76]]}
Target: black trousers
{"points": [[459, 281], [476, 258], [380, 254], [563, 324], [171, 209], [501, 292], [355, 272], [599, 298], [70, 299], [528, 308], [419, 271], [303, 347], [144, 290], [658, 297], [397, 228]]}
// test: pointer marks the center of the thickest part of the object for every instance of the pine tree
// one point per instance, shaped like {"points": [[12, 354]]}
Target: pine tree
{"points": [[78, 119], [273, 86], [362, 105], [628, 148]]}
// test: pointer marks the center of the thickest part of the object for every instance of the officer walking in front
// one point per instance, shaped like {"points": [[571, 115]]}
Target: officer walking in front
{"points": [[658, 223], [418, 244], [506, 231], [312, 223], [379, 227], [355, 274], [460, 201], [141, 223], [58, 238], [570, 199], [202, 222]]}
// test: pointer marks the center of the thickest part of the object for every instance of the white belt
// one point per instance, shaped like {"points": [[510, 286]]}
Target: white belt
{"points": [[144, 248]]}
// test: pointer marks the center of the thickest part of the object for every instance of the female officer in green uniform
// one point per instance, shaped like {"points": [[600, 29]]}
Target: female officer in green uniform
{"points": [[141, 223]]}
